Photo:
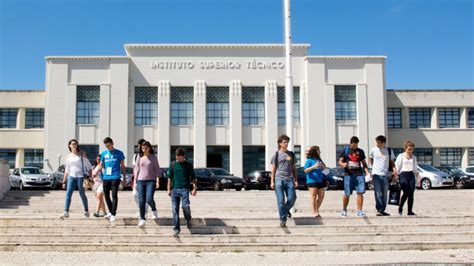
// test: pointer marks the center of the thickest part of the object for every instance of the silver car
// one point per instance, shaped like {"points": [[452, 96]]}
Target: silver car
{"points": [[430, 177], [24, 177]]}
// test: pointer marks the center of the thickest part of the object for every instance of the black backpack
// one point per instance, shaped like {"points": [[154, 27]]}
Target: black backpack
{"points": [[187, 168]]}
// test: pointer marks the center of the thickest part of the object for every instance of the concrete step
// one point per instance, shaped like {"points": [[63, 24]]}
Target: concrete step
{"points": [[235, 238], [236, 247]]}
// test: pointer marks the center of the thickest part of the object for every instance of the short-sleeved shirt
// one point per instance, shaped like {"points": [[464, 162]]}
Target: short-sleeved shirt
{"points": [[285, 165], [354, 159], [381, 160], [316, 175], [111, 161]]}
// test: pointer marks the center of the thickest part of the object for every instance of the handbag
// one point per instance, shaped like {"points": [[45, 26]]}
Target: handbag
{"points": [[394, 194]]}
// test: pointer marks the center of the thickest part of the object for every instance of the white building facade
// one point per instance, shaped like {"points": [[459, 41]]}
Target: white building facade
{"points": [[224, 104]]}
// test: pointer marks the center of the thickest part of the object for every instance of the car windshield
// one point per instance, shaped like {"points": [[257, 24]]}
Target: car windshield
{"points": [[32, 171], [337, 171], [220, 172], [428, 168], [456, 171]]}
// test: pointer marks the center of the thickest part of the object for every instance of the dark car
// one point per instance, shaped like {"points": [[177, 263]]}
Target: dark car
{"points": [[461, 179], [336, 179], [127, 181], [301, 178], [258, 180], [164, 179], [217, 179]]}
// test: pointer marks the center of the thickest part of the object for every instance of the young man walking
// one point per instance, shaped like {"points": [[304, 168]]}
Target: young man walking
{"points": [[112, 160], [382, 160], [181, 179], [352, 159], [284, 179]]}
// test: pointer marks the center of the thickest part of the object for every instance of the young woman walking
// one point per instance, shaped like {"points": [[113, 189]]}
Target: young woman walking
{"points": [[315, 179], [407, 168], [98, 189]]}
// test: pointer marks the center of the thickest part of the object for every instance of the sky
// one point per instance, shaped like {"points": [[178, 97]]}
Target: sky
{"points": [[428, 43]]}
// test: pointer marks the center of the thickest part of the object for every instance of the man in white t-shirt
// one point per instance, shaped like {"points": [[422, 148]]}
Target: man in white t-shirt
{"points": [[382, 160]]}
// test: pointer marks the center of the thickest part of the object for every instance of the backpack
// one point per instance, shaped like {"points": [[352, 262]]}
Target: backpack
{"points": [[292, 155], [186, 169]]}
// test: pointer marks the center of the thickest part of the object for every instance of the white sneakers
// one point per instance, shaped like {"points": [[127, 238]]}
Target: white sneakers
{"points": [[86, 214], [141, 223], [154, 215], [112, 218], [64, 215]]}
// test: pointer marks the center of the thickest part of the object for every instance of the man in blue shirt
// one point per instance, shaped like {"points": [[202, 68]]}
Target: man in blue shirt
{"points": [[112, 161]]}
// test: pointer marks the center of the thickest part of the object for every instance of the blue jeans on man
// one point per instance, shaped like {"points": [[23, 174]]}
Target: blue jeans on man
{"points": [[381, 192], [178, 194], [73, 182], [146, 192], [285, 188], [354, 182]]}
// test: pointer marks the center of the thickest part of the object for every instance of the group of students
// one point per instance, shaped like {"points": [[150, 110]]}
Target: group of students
{"points": [[106, 173], [182, 182], [385, 170]]}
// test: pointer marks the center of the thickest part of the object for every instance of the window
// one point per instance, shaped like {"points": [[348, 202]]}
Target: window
{"points": [[217, 107], [253, 106], [88, 105], [34, 118], [450, 157], [188, 153], [282, 107], [8, 155], [470, 117], [218, 156], [420, 117], [346, 110], [91, 152], [297, 151], [449, 117], [397, 151], [182, 112], [471, 156], [34, 158], [8, 117], [146, 105], [394, 118], [253, 158], [424, 155]]}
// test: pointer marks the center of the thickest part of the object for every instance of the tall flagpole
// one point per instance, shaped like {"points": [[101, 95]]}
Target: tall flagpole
{"points": [[289, 77]]}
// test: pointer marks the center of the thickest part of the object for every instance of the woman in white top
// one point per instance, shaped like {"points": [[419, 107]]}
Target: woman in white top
{"points": [[77, 166], [407, 168], [98, 189]]}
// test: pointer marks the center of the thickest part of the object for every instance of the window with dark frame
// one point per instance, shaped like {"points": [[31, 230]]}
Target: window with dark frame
{"points": [[8, 117], [282, 106], [424, 155], [88, 105], [253, 106], [9, 155], [345, 103], [394, 117], [182, 107], [450, 157], [34, 158], [34, 118], [146, 105], [420, 117], [449, 117], [217, 105]]}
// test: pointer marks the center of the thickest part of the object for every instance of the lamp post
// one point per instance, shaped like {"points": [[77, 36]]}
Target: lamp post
{"points": [[288, 77]]}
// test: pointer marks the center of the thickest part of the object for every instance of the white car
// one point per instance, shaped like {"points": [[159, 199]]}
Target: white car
{"points": [[430, 177], [24, 177]]}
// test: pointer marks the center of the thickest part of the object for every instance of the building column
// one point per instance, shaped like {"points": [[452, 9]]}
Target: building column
{"points": [[200, 122], [271, 121], [20, 158], [330, 151], [405, 117], [21, 118], [436, 157], [362, 116], [164, 148], [434, 118], [70, 123], [236, 149], [465, 158], [104, 127], [464, 123]]}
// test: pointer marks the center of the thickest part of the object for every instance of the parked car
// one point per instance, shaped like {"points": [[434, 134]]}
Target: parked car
{"points": [[24, 177], [164, 179], [431, 177], [301, 178], [467, 176], [217, 179], [127, 180], [461, 179], [58, 177], [258, 180], [336, 179]]}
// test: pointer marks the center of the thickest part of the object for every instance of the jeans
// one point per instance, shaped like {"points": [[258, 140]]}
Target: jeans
{"points": [[111, 185], [72, 182], [146, 191], [407, 184], [176, 195], [354, 182], [285, 187], [381, 192]]}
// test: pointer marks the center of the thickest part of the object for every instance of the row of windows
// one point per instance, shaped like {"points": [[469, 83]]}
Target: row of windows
{"points": [[33, 157], [421, 117], [34, 118]]}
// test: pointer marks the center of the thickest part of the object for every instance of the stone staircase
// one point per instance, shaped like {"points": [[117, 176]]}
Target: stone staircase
{"points": [[231, 221]]}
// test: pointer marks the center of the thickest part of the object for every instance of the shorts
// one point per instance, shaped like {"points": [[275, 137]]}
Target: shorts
{"points": [[98, 188], [316, 185], [353, 182]]}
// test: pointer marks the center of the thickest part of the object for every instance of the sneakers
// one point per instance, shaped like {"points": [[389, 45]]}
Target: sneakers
{"points": [[141, 223], [64, 215], [86, 214], [344, 213], [112, 218], [176, 232], [108, 215], [385, 214], [282, 224], [379, 214], [154, 215], [360, 214], [411, 213]]}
